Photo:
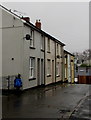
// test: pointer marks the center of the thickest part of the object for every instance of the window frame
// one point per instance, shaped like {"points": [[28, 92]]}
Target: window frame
{"points": [[32, 44], [31, 67], [58, 69], [48, 67], [42, 42], [48, 45], [57, 49]]}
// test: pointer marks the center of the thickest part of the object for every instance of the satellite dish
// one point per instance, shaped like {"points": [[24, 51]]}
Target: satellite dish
{"points": [[28, 37]]}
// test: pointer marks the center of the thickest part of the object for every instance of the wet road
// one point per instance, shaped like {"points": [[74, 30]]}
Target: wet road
{"points": [[50, 102], [83, 110]]}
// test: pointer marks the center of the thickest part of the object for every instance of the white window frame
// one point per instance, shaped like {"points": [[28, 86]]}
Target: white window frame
{"points": [[31, 67], [48, 67], [57, 49], [32, 39], [48, 45], [42, 42], [61, 50], [57, 69], [65, 60], [65, 72]]}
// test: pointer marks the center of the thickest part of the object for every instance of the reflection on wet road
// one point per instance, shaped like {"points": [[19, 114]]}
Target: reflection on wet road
{"points": [[50, 102]]}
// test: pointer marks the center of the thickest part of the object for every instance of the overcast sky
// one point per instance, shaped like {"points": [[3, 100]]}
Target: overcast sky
{"points": [[66, 21]]}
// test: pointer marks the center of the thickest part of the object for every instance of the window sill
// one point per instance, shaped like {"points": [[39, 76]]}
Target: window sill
{"points": [[48, 52], [48, 75], [57, 75], [32, 47], [32, 79], [42, 50]]}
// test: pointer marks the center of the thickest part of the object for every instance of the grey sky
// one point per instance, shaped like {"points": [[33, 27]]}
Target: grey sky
{"points": [[67, 21]]}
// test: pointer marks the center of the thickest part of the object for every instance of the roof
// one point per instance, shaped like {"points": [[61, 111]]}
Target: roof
{"points": [[68, 52], [44, 33], [34, 27]]}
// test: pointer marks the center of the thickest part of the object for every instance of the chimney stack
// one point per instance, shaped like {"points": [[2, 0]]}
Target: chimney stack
{"points": [[38, 24], [27, 19]]}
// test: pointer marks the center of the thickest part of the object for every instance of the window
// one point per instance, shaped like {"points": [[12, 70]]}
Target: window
{"points": [[48, 66], [48, 45], [65, 72], [60, 50], [42, 42], [65, 59], [57, 69], [31, 67], [32, 39], [57, 49]]}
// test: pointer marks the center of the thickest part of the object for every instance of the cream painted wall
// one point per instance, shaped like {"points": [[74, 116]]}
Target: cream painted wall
{"points": [[59, 52], [69, 68], [29, 52], [51, 56], [15, 46], [72, 69], [12, 46]]}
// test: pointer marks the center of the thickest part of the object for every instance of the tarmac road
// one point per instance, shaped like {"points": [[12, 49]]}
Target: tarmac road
{"points": [[54, 101], [83, 110]]}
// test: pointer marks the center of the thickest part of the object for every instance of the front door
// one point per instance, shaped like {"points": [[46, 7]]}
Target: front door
{"points": [[42, 71], [38, 71], [52, 71]]}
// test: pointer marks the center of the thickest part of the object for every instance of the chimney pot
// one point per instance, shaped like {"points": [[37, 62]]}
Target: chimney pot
{"points": [[27, 19], [38, 24]]}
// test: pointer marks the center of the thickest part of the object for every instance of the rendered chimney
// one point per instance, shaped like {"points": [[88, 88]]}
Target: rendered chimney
{"points": [[38, 24], [27, 19]]}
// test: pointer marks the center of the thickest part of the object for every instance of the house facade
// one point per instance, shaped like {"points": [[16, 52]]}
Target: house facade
{"points": [[49, 60], [19, 55], [69, 67], [29, 51], [72, 69], [59, 62], [33, 57], [12, 48]]}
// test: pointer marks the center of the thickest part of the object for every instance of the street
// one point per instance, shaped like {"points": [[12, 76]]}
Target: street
{"points": [[54, 101]]}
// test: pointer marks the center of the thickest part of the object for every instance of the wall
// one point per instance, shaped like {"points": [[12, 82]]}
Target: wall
{"points": [[12, 44], [69, 68], [82, 71], [16, 52], [32, 52], [49, 55], [72, 69], [59, 50], [66, 66]]}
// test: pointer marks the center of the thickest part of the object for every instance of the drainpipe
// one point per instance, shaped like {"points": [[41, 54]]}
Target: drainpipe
{"points": [[44, 60], [8, 82], [63, 65], [55, 62]]}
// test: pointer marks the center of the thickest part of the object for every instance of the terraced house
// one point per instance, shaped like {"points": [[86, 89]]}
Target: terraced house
{"points": [[68, 67], [29, 51]]}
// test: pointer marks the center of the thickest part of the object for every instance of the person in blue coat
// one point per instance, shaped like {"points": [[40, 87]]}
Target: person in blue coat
{"points": [[18, 82]]}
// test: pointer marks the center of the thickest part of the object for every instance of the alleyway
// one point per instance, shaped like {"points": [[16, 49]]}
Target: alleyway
{"points": [[57, 101]]}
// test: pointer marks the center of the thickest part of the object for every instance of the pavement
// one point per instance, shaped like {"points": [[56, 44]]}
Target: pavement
{"points": [[59, 101], [83, 109]]}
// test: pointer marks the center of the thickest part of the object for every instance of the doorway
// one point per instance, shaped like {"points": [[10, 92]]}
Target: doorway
{"points": [[38, 71], [52, 71], [42, 71]]}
